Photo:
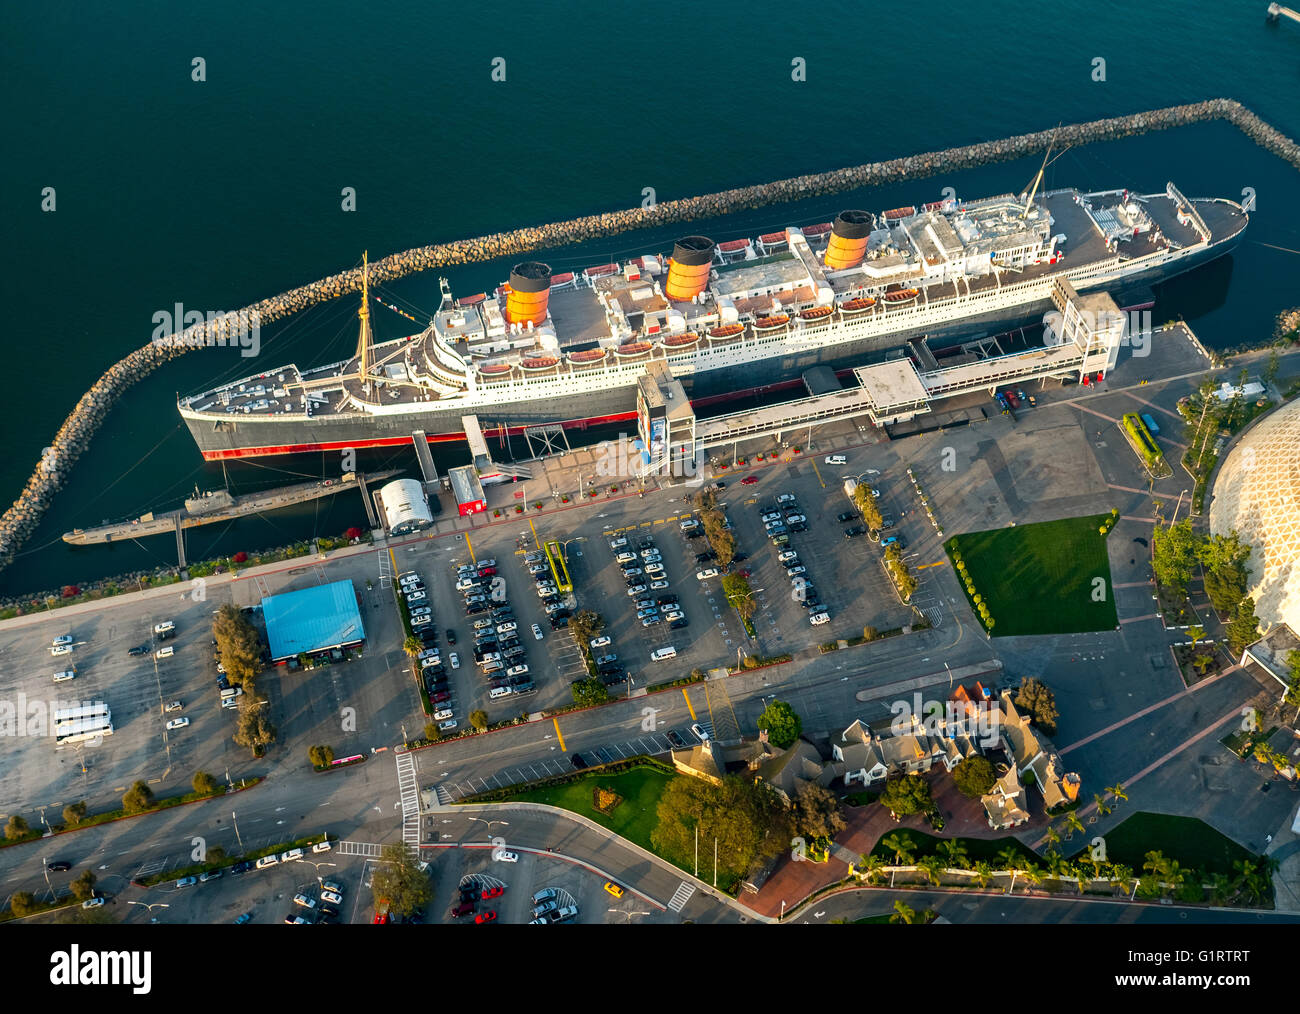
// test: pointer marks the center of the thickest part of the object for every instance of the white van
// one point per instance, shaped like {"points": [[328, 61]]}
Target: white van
{"points": [[231, 692], [67, 674], [164, 627], [836, 459], [660, 654], [625, 557], [166, 652]]}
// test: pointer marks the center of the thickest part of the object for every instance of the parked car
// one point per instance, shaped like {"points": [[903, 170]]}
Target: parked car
{"points": [[846, 516], [749, 480], [507, 857], [578, 762], [292, 856], [186, 882], [855, 531], [454, 660], [177, 723], [706, 573], [210, 875], [613, 889], [266, 861], [331, 897], [138, 650], [637, 589], [240, 868]]}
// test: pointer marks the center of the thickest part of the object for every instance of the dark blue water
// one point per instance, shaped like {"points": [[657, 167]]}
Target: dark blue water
{"points": [[219, 193]]}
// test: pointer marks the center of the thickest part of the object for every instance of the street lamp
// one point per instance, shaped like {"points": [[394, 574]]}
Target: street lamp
{"points": [[150, 908], [489, 823], [619, 911], [1176, 508]]}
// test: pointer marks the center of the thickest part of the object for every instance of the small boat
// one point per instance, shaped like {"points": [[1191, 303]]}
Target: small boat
{"points": [[815, 313], [495, 370], [587, 357], [902, 295], [681, 341], [726, 333], [858, 305], [537, 363], [772, 323], [633, 349]]}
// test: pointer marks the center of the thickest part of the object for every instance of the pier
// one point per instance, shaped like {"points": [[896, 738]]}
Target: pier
{"points": [[1276, 11], [221, 506], [74, 436]]}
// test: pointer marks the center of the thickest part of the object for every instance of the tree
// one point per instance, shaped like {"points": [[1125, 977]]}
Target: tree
{"points": [[138, 797], [1035, 698], [932, 867], [254, 729], [1072, 823], [23, 903], [907, 795], [238, 645], [1102, 808], [399, 880], [747, 818], [1269, 373], [584, 627], [321, 756], [870, 866], [983, 873], [204, 784], [74, 813], [974, 776], [1292, 696], [479, 720], [865, 501], [83, 885], [900, 844], [1174, 550], [782, 724], [739, 595], [432, 732], [816, 812], [412, 645], [1009, 857], [589, 692], [15, 827], [1225, 559], [1196, 633], [954, 854], [1243, 628]]}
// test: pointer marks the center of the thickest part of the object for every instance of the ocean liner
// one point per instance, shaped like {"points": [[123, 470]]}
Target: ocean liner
{"points": [[726, 318]]}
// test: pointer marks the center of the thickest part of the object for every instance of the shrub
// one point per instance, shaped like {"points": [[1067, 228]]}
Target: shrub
{"points": [[321, 756], [22, 903], [240, 557], [204, 783], [138, 798], [352, 533], [16, 827]]}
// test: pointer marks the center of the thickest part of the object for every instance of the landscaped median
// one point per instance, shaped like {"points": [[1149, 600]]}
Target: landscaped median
{"points": [[222, 862], [1145, 447]]}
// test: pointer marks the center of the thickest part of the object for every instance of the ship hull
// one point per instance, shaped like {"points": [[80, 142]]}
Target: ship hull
{"points": [[221, 439]]}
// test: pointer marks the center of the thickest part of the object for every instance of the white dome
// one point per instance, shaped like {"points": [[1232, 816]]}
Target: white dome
{"points": [[1257, 492]]}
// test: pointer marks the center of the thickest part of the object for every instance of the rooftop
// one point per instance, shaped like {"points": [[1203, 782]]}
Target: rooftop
{"points": [[312, 620]]}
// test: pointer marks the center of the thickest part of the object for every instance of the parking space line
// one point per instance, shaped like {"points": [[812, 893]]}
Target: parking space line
{"points": [[559, 735]]}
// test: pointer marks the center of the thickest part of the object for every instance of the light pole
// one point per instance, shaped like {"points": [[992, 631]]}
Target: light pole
{"points": [[782, 915], [619, 911], [1176, 508], [149, 908], [237, 837], [489, 823]]}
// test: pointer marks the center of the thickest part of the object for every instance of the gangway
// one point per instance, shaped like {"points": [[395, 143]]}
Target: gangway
{"points": [[421, 441]]}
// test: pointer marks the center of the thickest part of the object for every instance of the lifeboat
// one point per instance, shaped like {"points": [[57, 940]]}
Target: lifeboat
{"points": [[495, 371], [900, 213], [633, 349], [726, 333], [535, 364], [857, 305], [772, 323], [816, 313], [587, 357], [681, 341], [899, 296]]}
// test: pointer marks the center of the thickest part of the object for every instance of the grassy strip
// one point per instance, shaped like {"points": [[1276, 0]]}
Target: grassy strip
{"points": [[224, 863], [93, 820], [1190, 841]]}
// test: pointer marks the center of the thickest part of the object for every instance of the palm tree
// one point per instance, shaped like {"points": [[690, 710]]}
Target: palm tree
{"points": [[954, 854], [412, 645], [1102, 809], [1253, 880], [928, 916], [1057, 865], [1196, 633], [931, 867], [1009, 857], [903, 913], [1032, 873], [901, 845], [1072, 824], [1053, 836], [1156, 864], [1220, 888], [1117, 791], [870, 866], [983, 873]]}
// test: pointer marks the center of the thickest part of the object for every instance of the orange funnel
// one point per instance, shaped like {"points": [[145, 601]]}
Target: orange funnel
{"points": [[688, 270], [848, 240], [530, 288]]}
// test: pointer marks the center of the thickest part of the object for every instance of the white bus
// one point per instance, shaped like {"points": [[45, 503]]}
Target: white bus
{"points": [[86, 728], [72, 712]]}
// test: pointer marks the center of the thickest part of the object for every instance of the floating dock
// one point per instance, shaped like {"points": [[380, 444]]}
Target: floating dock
{"points": [[221, 505]]}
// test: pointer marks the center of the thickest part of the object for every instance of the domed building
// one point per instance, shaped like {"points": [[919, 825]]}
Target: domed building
{"points": [[1257, 492]]}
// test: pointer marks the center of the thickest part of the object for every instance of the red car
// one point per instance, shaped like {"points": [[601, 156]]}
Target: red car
{"points": [[464, 908], [381, 919], [749, 480], [492, 892], [440, 697], [487, 572], [483, 917]]}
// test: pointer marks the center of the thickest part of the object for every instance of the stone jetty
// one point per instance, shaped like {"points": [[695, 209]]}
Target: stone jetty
{"points": [[75, 434]]}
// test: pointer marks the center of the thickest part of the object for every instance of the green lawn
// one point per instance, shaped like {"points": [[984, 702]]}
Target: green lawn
{"points": [[633, 819], [1040, 578], [1190, 841], [977, 849]]}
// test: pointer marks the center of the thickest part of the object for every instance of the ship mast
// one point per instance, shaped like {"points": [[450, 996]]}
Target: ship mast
{"points": [[366, 338], [1038, 178]]}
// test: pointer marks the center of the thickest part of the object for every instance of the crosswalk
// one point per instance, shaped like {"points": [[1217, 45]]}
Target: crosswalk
{"points": [[409, 788], [359, 848], [681, 896]]}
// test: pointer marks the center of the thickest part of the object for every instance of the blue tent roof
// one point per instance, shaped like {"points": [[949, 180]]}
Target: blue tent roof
{"points": [[312, 619]]}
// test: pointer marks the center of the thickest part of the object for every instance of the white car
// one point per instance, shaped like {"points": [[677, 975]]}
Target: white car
{"points": [[427, 653], [292, 856], [421, 621], [601, 642], [61, 640], [331, 898], [230, 703], [465, 584], [673, 614], [410, 577], [323, 846], [266, 861], [454, 659], [786, 498], [442, 714], [416, 596], [787, 556], [636, 590], [506, 628], [617, 544], [792, 571], [61, 649], [95, 902], [688, 524], [178, 723], [537, 632], [659, 585], [796, 519], [817, 619], [421, 611], [771, 516], [447, 726], [651, 554], [507, 857], [304, 901], [706, 573], [538, 568], [166, 652], [517, 670], [496, 693], [544, 590]]}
